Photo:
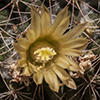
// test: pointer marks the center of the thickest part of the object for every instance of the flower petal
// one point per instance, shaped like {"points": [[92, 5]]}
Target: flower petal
{"points": [[34, 69], [38, 78], [73, 65], [62, 62], [24, 43], [75, 43], [31, 35], [70, 83], [45, 20], [26, 71], [35, 22], [82, 47], [44, 9], [61, 15], [51, 79], [71, 52], [63, 25], [76, 31], [22, 63], [23, 55], [62, 74], [18, 48]]}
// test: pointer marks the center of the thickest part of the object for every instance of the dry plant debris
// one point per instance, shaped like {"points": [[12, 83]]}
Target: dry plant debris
{"points": [[15, 22]]}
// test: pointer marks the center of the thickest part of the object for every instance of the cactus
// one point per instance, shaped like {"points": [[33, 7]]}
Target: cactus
{"points": [[15, 20]]}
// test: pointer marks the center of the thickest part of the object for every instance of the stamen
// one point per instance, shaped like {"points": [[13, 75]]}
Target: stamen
{"points": [[44, 54]]}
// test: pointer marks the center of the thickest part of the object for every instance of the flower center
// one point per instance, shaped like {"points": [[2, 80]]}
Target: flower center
{"points": [[40, 53], [44, 54]]}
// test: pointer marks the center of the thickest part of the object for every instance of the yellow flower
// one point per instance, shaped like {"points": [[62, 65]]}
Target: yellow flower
{"points": [[45, 51]]}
